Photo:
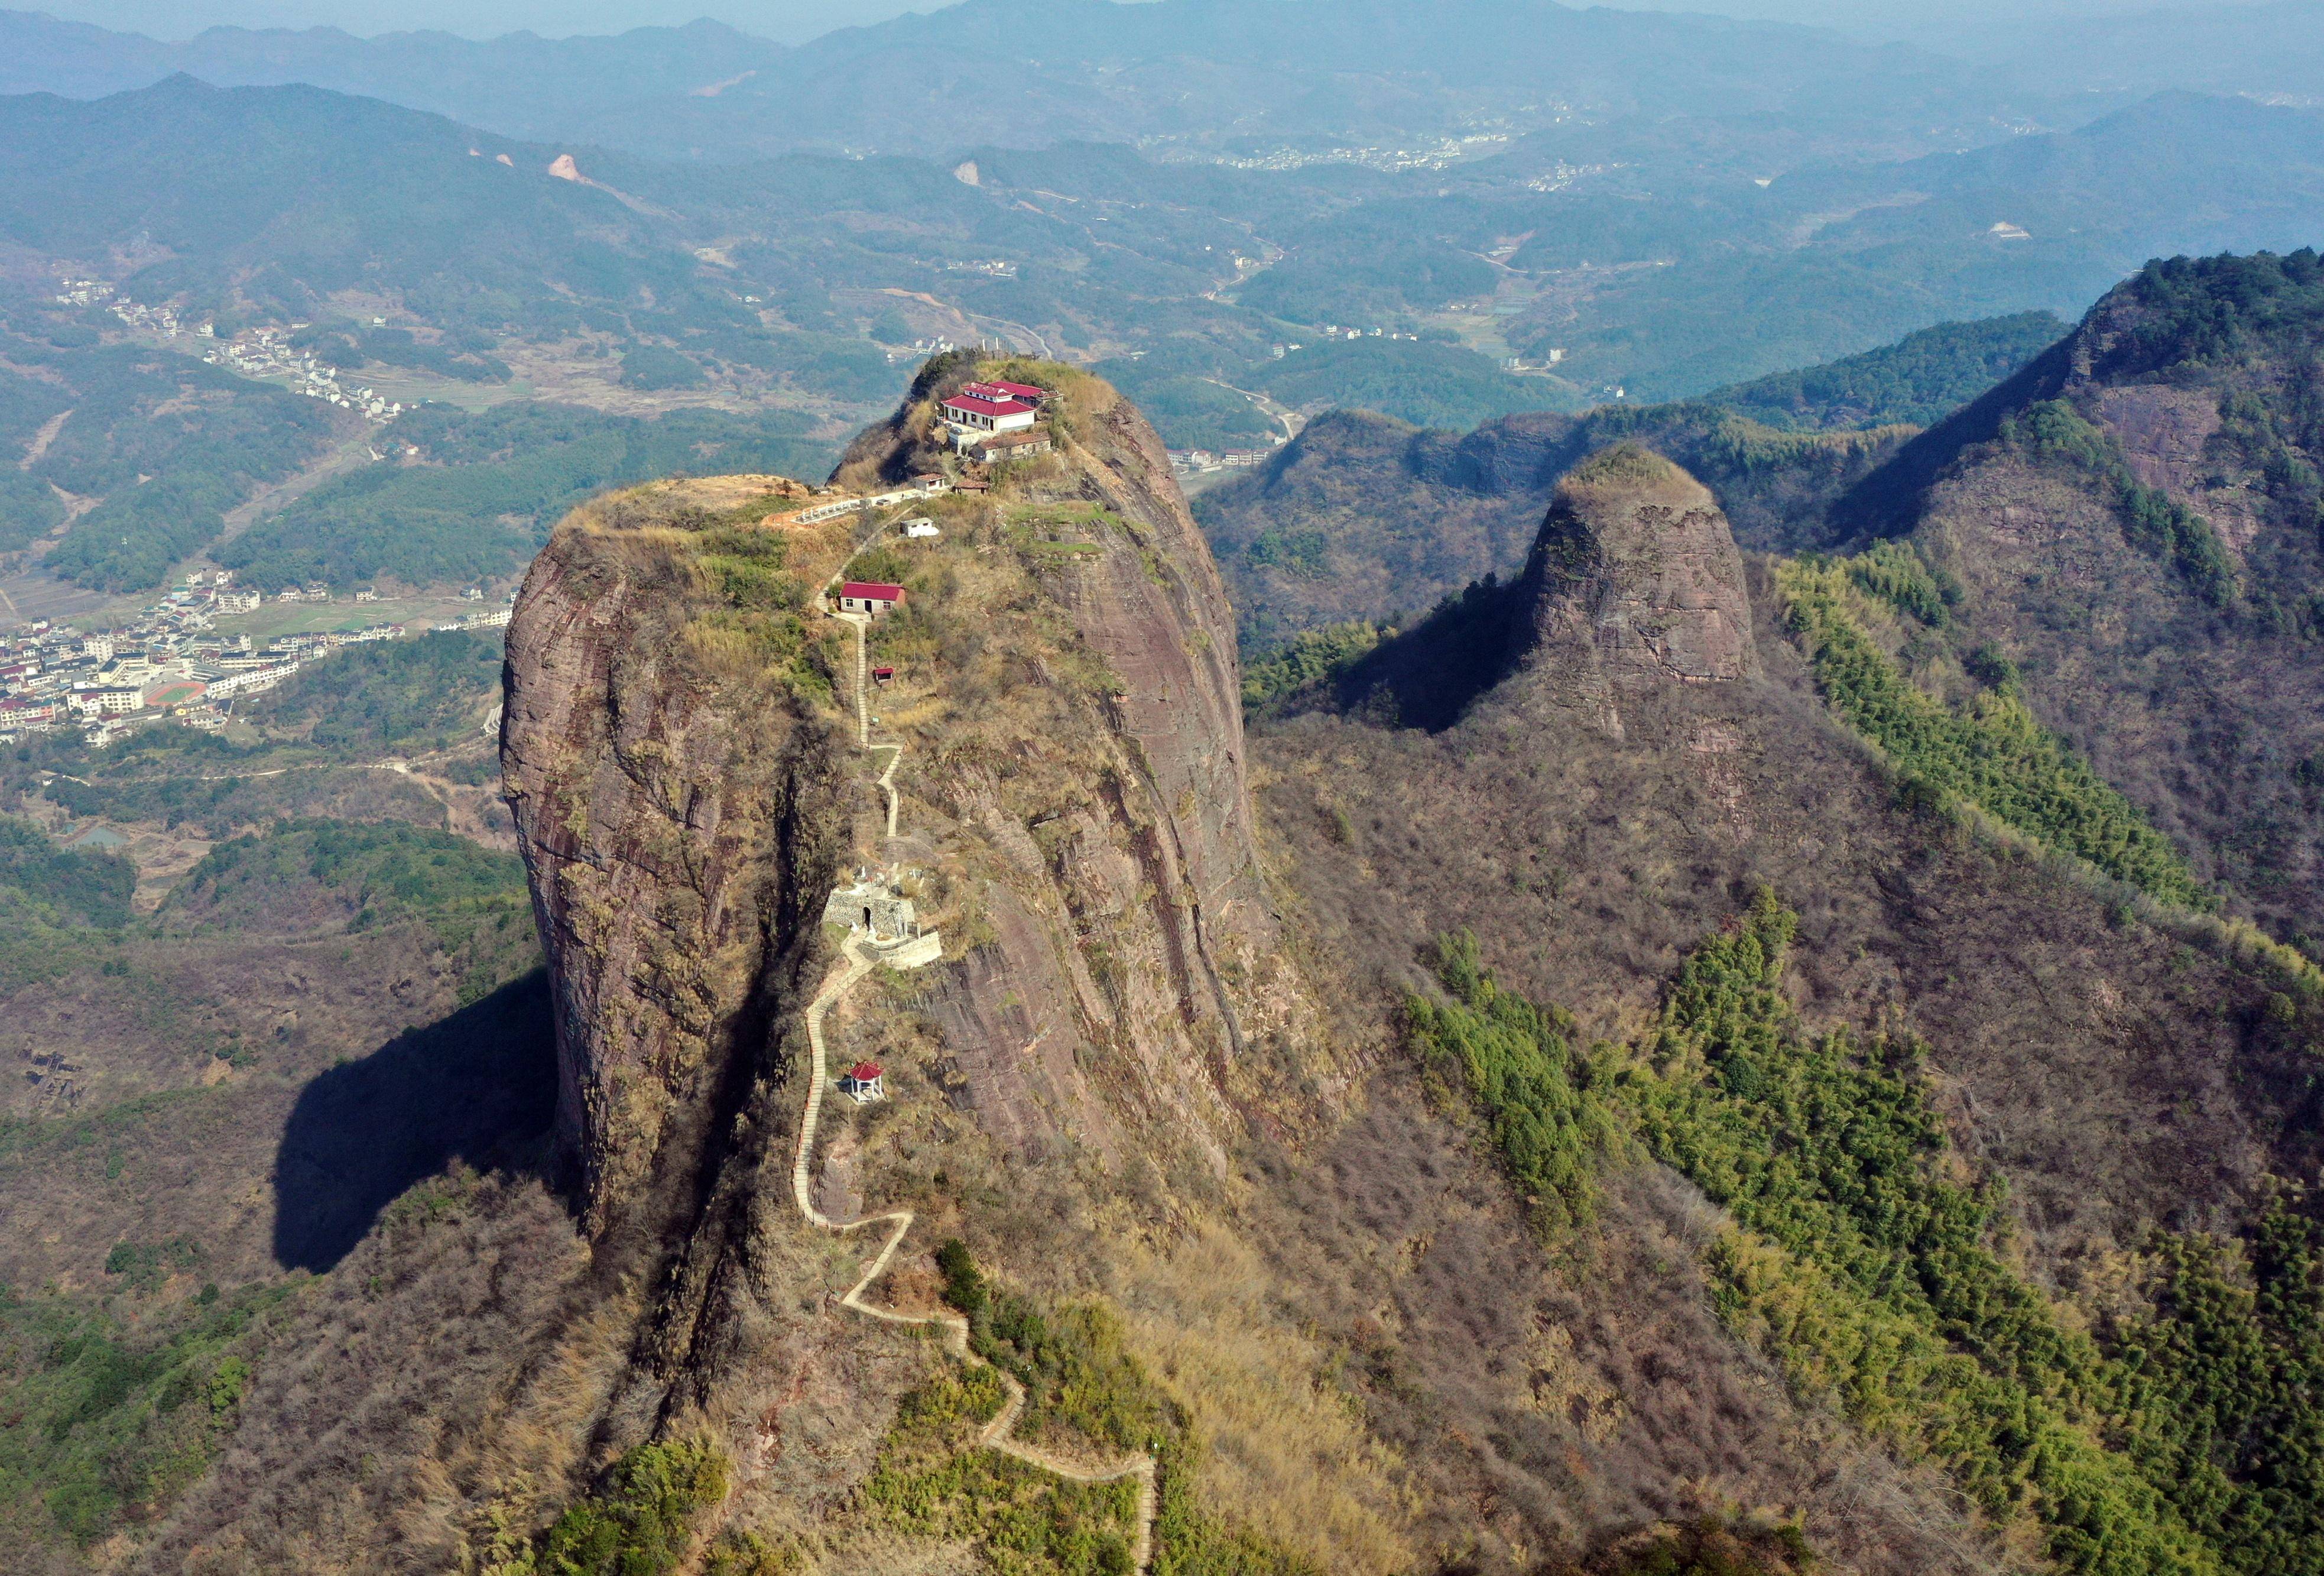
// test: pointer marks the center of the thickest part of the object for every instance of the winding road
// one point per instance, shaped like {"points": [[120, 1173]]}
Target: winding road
{"points": [[859, 960]]}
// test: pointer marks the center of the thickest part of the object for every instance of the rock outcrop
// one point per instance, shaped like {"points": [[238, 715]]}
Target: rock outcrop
{"points": [[680, 748], [1634, 581], [680, 816]]}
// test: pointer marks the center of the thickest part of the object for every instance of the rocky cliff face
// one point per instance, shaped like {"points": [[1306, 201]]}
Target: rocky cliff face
{"points": [[1105, 1016], [1364, 517], [680, 816], [1634, 581], [1074, 823], [1098, 787]]}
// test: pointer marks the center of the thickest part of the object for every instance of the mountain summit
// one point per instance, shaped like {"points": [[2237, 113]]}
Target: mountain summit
{"points": [[1634, 578]]}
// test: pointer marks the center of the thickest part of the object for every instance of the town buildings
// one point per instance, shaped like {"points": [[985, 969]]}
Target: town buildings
{"points": [[168, 660]]}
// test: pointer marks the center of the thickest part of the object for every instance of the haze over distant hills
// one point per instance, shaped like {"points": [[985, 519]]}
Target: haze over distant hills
{"points": [[455, 264], [1194, 75]]}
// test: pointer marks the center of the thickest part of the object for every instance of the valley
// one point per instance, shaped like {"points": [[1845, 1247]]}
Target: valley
{"points": [[1507, 791], [1133, 1028]]}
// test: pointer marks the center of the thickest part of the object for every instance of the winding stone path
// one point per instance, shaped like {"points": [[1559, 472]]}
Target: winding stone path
{"points": [[860, 959]]}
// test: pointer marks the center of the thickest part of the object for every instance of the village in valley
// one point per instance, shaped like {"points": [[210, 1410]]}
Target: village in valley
{"points": [[263, 354], [171, 660]]}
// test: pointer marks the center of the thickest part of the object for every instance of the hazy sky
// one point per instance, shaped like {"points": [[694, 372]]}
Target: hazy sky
{"points": [[793, 20]]}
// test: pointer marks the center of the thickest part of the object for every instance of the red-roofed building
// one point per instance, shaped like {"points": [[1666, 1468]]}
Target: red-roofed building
{"points": [[863, 1083], [874, 597], [987, 413], [1026, 392]]}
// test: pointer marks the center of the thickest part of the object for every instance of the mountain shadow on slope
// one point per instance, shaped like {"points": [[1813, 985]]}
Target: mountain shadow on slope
{"points": [[478, 1087], [2112, 1074], [1427, 676]]}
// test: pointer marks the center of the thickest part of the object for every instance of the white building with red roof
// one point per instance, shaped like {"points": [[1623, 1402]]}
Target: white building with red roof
{"points": [[863, 1083], [994, 413], [876, 598], [1023, 393]]}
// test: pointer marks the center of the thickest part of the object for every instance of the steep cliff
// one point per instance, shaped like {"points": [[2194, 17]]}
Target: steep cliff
{"points": [[1364, 517], [1633, 581], [1664, 1059], [683, 806], [1136, 1071], [679, 808], [1047, 788]]}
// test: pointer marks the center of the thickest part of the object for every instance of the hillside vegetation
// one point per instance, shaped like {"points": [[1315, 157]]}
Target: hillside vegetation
{"points": [[2130, 527], [165, 444], [53, 903], [479, 496], [220, 1094], [1922, 377], [1877, 1275], [410, 697], [1989, 751]]}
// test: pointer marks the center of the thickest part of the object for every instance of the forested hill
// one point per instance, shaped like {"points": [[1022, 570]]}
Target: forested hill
{"points": [[2200, 315], [1922, 378], [1365, 517], [2129, 529], [293, 193], [1727, 864]]}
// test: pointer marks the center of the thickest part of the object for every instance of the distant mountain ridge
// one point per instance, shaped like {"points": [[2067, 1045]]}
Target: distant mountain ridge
{"points": [[1203, 71], [1869, 251], [318, 192], [938, 83], [2263, 51], [1364, 517], [522, 74]]}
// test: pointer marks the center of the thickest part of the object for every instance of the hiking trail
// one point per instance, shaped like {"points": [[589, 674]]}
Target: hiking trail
{"points": [[860, 959]]}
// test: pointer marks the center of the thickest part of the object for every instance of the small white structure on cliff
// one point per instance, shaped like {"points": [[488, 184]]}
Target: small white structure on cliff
{"points": [[871, 905]]}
